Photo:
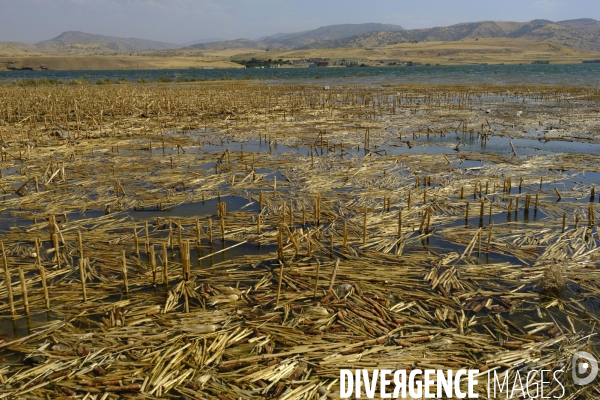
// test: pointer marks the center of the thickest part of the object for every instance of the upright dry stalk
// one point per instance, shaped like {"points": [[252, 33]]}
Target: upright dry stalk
{"points": [[79, 244], [279, 283], [24, 290], [8, 280], [198, 232], [165, 264], [136, 241], [124, 271], [83, 278], [44, 287], [153, 264], [147, 241], [335, 271], [56, 249], [365, 227]]}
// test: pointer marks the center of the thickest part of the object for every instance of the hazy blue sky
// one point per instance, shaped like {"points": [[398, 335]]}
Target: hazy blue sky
{"points": [[179, 21]]}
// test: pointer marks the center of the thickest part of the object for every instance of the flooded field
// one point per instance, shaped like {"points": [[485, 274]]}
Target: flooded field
{"points": [[241, 240]]}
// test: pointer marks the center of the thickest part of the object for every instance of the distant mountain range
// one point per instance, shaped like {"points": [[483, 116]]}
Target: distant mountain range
{"points": [[331, 32], [302, 39], [579, 33], [74, 40], [583, 34]]}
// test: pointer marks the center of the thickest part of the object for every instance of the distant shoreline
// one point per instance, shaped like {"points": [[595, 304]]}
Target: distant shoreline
{"points": [[33, 69], [65, 63], [558, 75], [98, 63]]}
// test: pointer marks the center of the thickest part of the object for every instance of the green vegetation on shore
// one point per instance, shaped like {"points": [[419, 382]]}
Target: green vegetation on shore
{"points": [[256, 63]]}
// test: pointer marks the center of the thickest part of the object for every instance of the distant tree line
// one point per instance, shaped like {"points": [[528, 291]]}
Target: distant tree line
{"points": [[254, 62]]}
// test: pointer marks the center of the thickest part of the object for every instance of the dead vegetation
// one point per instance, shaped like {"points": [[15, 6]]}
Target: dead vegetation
{"points": [[553, 280], [248, 241]]}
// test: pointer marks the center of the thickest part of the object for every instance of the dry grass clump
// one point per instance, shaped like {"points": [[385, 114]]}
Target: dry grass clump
{"points": [[553, 279]]}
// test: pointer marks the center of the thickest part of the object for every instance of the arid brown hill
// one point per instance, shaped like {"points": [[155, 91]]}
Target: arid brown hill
{"points": [[581, 33], [301, 39], [74, 41]]}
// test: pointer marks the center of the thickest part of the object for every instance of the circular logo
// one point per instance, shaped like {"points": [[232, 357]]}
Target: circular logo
{"points": [[584, 367]]}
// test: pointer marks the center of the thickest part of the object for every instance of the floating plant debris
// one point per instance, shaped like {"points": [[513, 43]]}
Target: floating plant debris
{"points": [[238, 240]]}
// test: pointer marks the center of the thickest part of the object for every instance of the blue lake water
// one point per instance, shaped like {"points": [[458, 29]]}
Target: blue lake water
{"points": [[515, 74]]}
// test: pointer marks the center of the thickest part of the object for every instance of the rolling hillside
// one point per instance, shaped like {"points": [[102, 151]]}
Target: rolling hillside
{"points": [[331, 32], [78, 42], [301, 39], [582, 34]]}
